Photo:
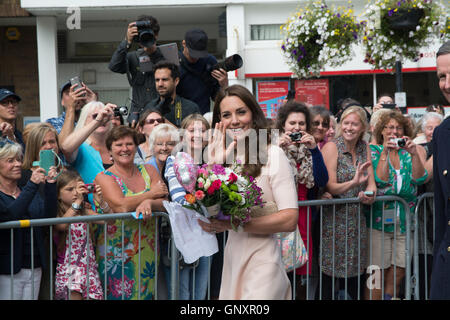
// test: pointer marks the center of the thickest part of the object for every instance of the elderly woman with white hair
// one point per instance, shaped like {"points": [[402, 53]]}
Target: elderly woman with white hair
{"points": [[161, 143], [29, 256], [85, 148]]}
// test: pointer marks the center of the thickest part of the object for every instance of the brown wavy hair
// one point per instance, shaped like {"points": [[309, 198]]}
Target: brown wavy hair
{"points": [[259, 122], [384, 120]]}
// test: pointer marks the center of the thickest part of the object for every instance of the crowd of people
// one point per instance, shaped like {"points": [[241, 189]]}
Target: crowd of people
{"points": [[128, 166]]}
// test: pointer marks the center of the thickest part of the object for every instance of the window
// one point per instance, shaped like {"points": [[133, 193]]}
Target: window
{"points": [[265, 32]]}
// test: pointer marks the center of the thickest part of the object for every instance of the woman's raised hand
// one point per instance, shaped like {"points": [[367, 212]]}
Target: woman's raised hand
{"points": [[308, 140], [361, 174], [105, 115], [38, 175], [51, 175], [217, 150]]}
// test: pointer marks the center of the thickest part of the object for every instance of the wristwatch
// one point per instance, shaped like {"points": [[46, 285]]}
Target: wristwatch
{"points": [[76, 207]]}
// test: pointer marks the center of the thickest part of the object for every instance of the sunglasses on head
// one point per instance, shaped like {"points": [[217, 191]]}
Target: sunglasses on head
{"points": [[4, 141]]}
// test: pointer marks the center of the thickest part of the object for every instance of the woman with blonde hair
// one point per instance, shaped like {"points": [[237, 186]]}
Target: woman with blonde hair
{"points": [[193, 129], [85, 148], [344, 235], [29, 258]]}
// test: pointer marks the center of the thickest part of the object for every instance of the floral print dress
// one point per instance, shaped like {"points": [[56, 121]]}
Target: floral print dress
{"points": [[344, 233], [79, 259], [137, 283]]}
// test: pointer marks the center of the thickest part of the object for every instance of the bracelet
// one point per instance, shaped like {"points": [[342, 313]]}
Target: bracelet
{"points": [[103, 208]]}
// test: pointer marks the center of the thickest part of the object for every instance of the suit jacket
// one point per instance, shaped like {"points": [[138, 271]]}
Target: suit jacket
{"points": [[440, 278]]}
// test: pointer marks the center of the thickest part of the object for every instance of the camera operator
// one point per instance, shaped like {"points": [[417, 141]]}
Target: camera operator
{"points": [[171, 106], [138, 64], [198, 82]]}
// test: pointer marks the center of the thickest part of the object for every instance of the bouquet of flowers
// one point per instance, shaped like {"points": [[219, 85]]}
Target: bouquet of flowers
{"points": [[319, 35], [221, 192], [397, 29]]}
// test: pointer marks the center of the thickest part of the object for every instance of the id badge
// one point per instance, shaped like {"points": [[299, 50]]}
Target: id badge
{"points": [[145, 64], [389, 216]]}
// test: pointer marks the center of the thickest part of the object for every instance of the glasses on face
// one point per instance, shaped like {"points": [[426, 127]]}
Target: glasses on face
{"points": [[12, 102], [318, 123], [152, 121], [166, 144], [392, 128]]}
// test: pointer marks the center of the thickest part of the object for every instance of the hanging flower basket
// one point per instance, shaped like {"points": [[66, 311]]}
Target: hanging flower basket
{"points": [[317, 36], [396, 30], [404, 19]]}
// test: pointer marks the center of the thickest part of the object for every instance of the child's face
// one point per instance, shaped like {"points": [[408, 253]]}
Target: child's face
{"points": [[68, 194]]}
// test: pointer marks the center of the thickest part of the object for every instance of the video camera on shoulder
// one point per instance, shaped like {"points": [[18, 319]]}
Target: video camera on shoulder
{"points": [[146, 36]]}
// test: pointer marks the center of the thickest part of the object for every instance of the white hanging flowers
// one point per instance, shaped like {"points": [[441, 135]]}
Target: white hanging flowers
{"points": [[318, 35], [384, 44]]}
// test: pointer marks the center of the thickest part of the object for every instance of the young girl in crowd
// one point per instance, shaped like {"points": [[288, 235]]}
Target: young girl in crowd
{"points": [[76, 270]]}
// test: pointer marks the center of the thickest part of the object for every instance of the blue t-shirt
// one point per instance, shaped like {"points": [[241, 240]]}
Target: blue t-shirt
{"points": [[88, 163], [152, 161]]}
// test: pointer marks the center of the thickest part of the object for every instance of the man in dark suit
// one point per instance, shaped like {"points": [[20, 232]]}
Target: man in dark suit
{"points": [[440, 278]]}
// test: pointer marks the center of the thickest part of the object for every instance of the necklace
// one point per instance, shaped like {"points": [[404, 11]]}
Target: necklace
{"points": [[12, 194]]}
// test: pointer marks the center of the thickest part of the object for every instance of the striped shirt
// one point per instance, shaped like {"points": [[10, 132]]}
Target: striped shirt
{"points": [[176, 190]]}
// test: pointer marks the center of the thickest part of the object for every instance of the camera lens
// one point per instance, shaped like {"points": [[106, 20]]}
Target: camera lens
{"points": [[401, 143]]}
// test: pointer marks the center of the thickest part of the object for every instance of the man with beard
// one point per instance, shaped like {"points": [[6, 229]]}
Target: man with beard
{"points": [[173, 107], [72, 100]]}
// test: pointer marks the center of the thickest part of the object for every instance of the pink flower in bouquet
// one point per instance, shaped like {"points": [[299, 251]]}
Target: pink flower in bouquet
{"points": [[200, 185], [203, 171], [232, 177], [199, 195]]}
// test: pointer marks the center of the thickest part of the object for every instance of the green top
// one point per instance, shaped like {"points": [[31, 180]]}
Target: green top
{"points": [[408, 190]]}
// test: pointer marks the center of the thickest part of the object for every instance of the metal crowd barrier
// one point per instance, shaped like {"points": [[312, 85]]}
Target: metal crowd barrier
{"points": [[50, 222], [423, 241], [317, 264], [411, 280]]}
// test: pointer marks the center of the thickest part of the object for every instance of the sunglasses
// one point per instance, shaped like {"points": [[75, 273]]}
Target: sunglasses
{"points": [[4, 141], [9, 102], [324, 124], [152, 121]]}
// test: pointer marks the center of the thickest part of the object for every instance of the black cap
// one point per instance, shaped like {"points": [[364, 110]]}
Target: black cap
{"points": [[64, 87], [197, 43], [5, 93]]}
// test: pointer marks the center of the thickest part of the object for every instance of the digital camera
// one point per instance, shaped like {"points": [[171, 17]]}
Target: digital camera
{"points": [[146, 36], [400, 142], [120, 111], [295, 136], [90, 187]]}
